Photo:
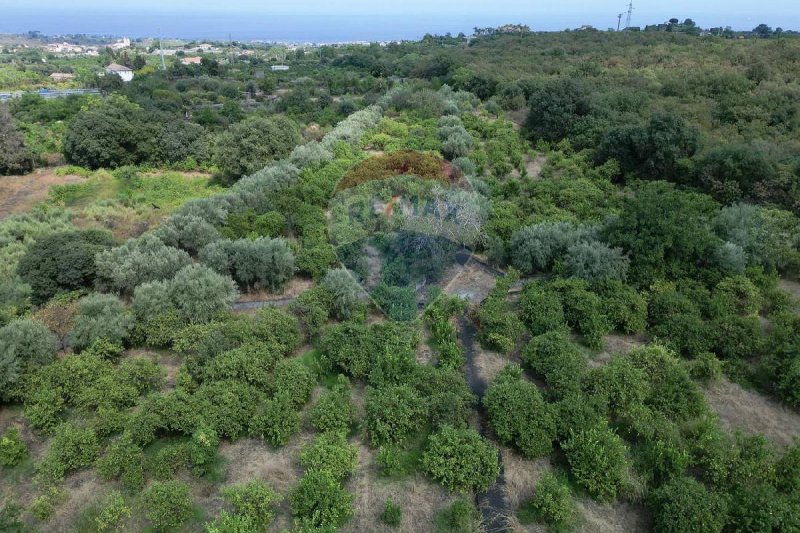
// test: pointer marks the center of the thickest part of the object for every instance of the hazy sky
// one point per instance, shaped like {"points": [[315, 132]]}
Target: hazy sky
{"points": [[407, 18], [649, 10]]}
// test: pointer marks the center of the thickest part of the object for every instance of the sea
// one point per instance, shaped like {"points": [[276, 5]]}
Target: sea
{"points": [[317, 28]]}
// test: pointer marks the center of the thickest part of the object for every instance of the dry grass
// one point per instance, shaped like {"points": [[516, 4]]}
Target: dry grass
{"points": [[489, 363], [419, 498], [617, 517], [81, 489], [424, 353], [520, 477], [19, 194], [615, 344], [472, 282], [292, 290], [534, 165], [792, 287], [753, 413], [251, 459]]}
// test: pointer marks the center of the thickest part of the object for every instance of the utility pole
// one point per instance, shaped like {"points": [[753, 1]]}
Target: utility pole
{"points": [[630, 14], [619, 21]]}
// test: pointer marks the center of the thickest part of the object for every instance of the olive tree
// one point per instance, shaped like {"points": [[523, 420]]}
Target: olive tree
{"points": [[268, 262], [345, 290], [15, 157], [535, 248], [198, 293], [138, 261], [23, 342], [101, 316], [188, 232]]}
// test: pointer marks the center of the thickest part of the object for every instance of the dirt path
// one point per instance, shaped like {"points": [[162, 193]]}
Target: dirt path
{"points": [[19, 194], [492, 503], [753, 413]]}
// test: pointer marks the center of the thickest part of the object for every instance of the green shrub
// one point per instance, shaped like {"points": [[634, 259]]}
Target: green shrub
{"points": [[44, 506], [584, 311], [12, 448], [202, 449], [112, 513], [672, 392], [684, 504], [736, 337], [312, 309], [142, 373], [315, 261], [393, 414], [596, 458], [554, 357], [123, 459], [788, 470], [71, 449], [254, 501], [461, 460], [345, 348], [227, 406], [167, 504], [278, 421], [293, 379], [736, 295], [394, 462], [319, 501], [625, 308], [705, 368], [499, 327], [168, 461], [10, 518], [43, 408], [541, 310], [331, 452], [460, 517], [334, 411], [392, 514], [276, 325], [518, 414], [552, 504]]}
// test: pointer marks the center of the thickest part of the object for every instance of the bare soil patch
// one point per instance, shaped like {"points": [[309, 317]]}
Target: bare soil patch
{"points": [[19, 194], [419, 498], [753, 413]]}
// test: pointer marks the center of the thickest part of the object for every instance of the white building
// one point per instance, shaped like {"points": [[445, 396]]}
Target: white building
{"points": [[125, 73], [280, 68]]}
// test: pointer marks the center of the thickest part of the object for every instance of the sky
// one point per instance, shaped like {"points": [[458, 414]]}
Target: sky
{"points": [[438, 15]]}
